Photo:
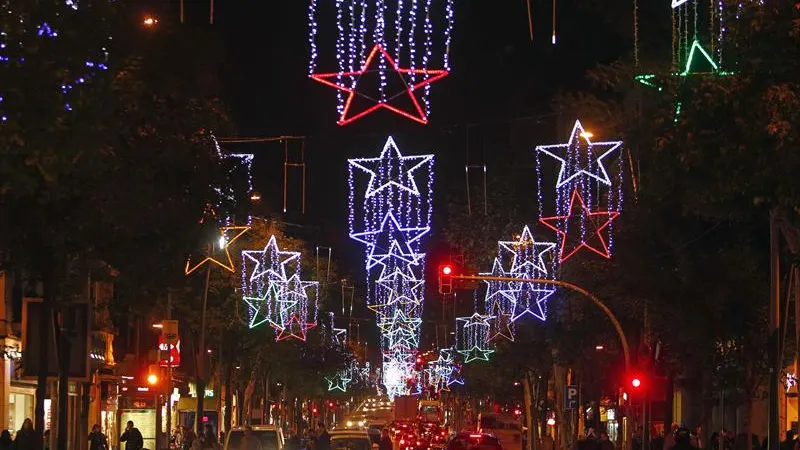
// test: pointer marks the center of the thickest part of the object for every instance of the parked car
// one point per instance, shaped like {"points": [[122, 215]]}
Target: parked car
{"points": [[271, 437]]}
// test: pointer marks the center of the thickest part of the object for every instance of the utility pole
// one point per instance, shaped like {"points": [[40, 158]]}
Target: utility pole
{"points": [[773, 435], [201, 359], [169, 371]]}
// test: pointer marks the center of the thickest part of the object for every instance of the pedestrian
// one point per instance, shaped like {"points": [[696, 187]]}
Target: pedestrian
{"points": [[589, 442], [294, 441], [697, 438], [323, 441], [385, 443], [97, 440], [788, 444], [683, 440], [669, 438], [132, 437], [26, 437], [605, 443], [547, 442], [249, 441], [189, 436], [207, 441], [5, 440]]}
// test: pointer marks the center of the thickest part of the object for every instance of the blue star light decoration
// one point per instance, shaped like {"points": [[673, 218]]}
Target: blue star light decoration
{"points": [[472, 337], [583, 168], [390, 216], [442, 372], [275, 294], [508, 301]]}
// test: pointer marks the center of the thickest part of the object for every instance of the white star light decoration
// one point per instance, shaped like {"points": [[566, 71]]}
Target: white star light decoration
{"points": [[275, 294], [582, 169], [390, 218], [472, 337], [575, 165]]}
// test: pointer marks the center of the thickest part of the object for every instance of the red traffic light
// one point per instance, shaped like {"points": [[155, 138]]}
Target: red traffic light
{"points": [[446, 279], [331, 404], [636, 382], [314, 410]]}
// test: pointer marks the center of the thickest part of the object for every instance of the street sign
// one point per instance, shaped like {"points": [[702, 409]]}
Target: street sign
{"points": [[169, 331], [571, 397]]}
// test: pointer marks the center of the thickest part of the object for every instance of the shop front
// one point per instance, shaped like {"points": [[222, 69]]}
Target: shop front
{"points": [[141, 410]]}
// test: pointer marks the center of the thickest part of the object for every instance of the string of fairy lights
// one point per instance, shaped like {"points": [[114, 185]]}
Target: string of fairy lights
{"points": [[580, 194], [375, 42], [16, 41], [390, 216]]}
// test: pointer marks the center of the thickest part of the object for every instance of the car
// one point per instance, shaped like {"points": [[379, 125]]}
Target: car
{"points": [[474, 441], [350, 440], [271, 437]]}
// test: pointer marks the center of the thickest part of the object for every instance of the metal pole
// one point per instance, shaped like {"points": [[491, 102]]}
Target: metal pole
{"points": [[774, 332], [169, 368], [201, 359], [617, 326], [182, 11]]}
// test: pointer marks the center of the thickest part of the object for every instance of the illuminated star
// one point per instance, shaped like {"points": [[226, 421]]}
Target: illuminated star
{"points": [[228, 235], [399, 319], [595, 169], [392, 239], [475, 354], [380, 61], [339, 334], [534, 308], [338, 382], [676, 3], [502, 328], [293, 329], [402, 288], [257, 304], [475, 320], [577, 216], [697, 51], [535, 259], [270, 261], [391, 168]]}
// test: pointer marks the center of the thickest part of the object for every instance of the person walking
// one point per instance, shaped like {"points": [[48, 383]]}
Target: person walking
{"points": [[97, 440], [323, 441], [385, 443], [5, 440], [683, 440], [26, 438], [189, 436], [605, 443], [132, 437], [208, 440]]}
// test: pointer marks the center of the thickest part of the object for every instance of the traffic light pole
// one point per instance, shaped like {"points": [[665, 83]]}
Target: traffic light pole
{"points": [[573, 287]]}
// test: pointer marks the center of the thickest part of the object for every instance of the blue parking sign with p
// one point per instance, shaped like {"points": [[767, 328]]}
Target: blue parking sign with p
{"points": [[571, 397]]}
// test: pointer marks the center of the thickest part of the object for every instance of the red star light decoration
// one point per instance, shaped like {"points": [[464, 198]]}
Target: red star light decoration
{"points": [[294, 329], [418, 114], [580, 219]]}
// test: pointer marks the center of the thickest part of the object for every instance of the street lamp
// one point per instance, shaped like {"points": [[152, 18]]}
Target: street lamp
{"points": [[149, 21]]}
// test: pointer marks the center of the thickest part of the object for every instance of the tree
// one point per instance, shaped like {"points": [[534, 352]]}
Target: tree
{"points": [[90, 148]]}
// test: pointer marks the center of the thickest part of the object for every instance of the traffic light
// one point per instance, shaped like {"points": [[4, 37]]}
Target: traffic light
{"points": [[446, 279], [314, 409], [152, 375], [331, 405], [636, 382]]}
